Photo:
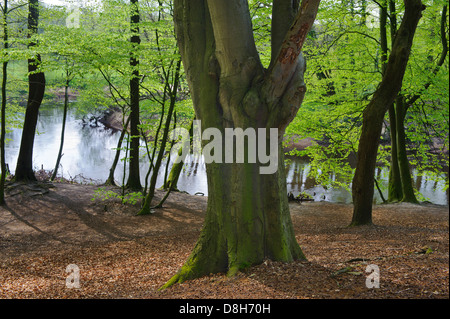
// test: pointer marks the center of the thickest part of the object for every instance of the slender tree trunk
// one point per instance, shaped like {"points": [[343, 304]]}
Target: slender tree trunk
{"points": [[151, 191], [384, 96], [402, 157], [3, 110], [24, 168], [172, 179], [174, 174], [401, 109], [134, 181], [63, 129], [395, 183], [110, 179], [247, 216], [400, 182], [172, 143]]}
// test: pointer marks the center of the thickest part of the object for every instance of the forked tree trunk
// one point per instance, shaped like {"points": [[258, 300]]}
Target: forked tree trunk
{"points": [[384, 96], [247, 217]]}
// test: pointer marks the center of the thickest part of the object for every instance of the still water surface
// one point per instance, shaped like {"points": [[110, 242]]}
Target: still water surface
{"points": [[89, 152]]}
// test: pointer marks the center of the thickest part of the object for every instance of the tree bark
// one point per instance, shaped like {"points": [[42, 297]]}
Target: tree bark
{"points": [[110, 180], [146, 207], [395, 193], [246, 221], [24, 168], [395, 183], [172, 179], [402, 157], [281, 22], [63, 128], [3, 110], [400, 182], [134, 180], [373, 115], [247, 216]]}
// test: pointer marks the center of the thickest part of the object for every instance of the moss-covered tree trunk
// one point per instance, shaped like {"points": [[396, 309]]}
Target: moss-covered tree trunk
{"points": [[384, 96], [246, 221], [247, 217]]}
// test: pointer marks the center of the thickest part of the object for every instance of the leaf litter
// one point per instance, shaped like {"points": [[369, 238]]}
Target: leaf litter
{"points": [[121, 255]]}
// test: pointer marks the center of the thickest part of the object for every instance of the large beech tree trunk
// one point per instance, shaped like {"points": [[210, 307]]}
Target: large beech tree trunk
{"points": [[247, 220], [247, 217], [373, 115], [36, 87]]}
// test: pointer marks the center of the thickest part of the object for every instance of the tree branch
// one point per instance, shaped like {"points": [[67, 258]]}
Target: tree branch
{"points": [[441, 61], [233, 34], [112, 87], [17, 7], [398, 59], [196, 42], [283, 14], [285, 65]]}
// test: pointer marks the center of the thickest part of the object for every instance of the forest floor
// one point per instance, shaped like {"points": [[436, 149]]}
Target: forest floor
{"points": [[121, 255]]}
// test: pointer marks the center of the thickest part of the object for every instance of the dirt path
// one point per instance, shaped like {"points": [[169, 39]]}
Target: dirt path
{"points": [[121, 255]]}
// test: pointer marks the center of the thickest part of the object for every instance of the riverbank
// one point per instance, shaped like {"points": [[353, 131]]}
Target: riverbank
{"points": [[121, 255]]}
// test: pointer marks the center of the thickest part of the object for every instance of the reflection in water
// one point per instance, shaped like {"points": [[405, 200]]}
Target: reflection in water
{"points": [[89, 152], [298, 181]]}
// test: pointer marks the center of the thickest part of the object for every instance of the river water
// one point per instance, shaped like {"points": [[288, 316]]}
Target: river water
{"points": [[89, 153]]}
